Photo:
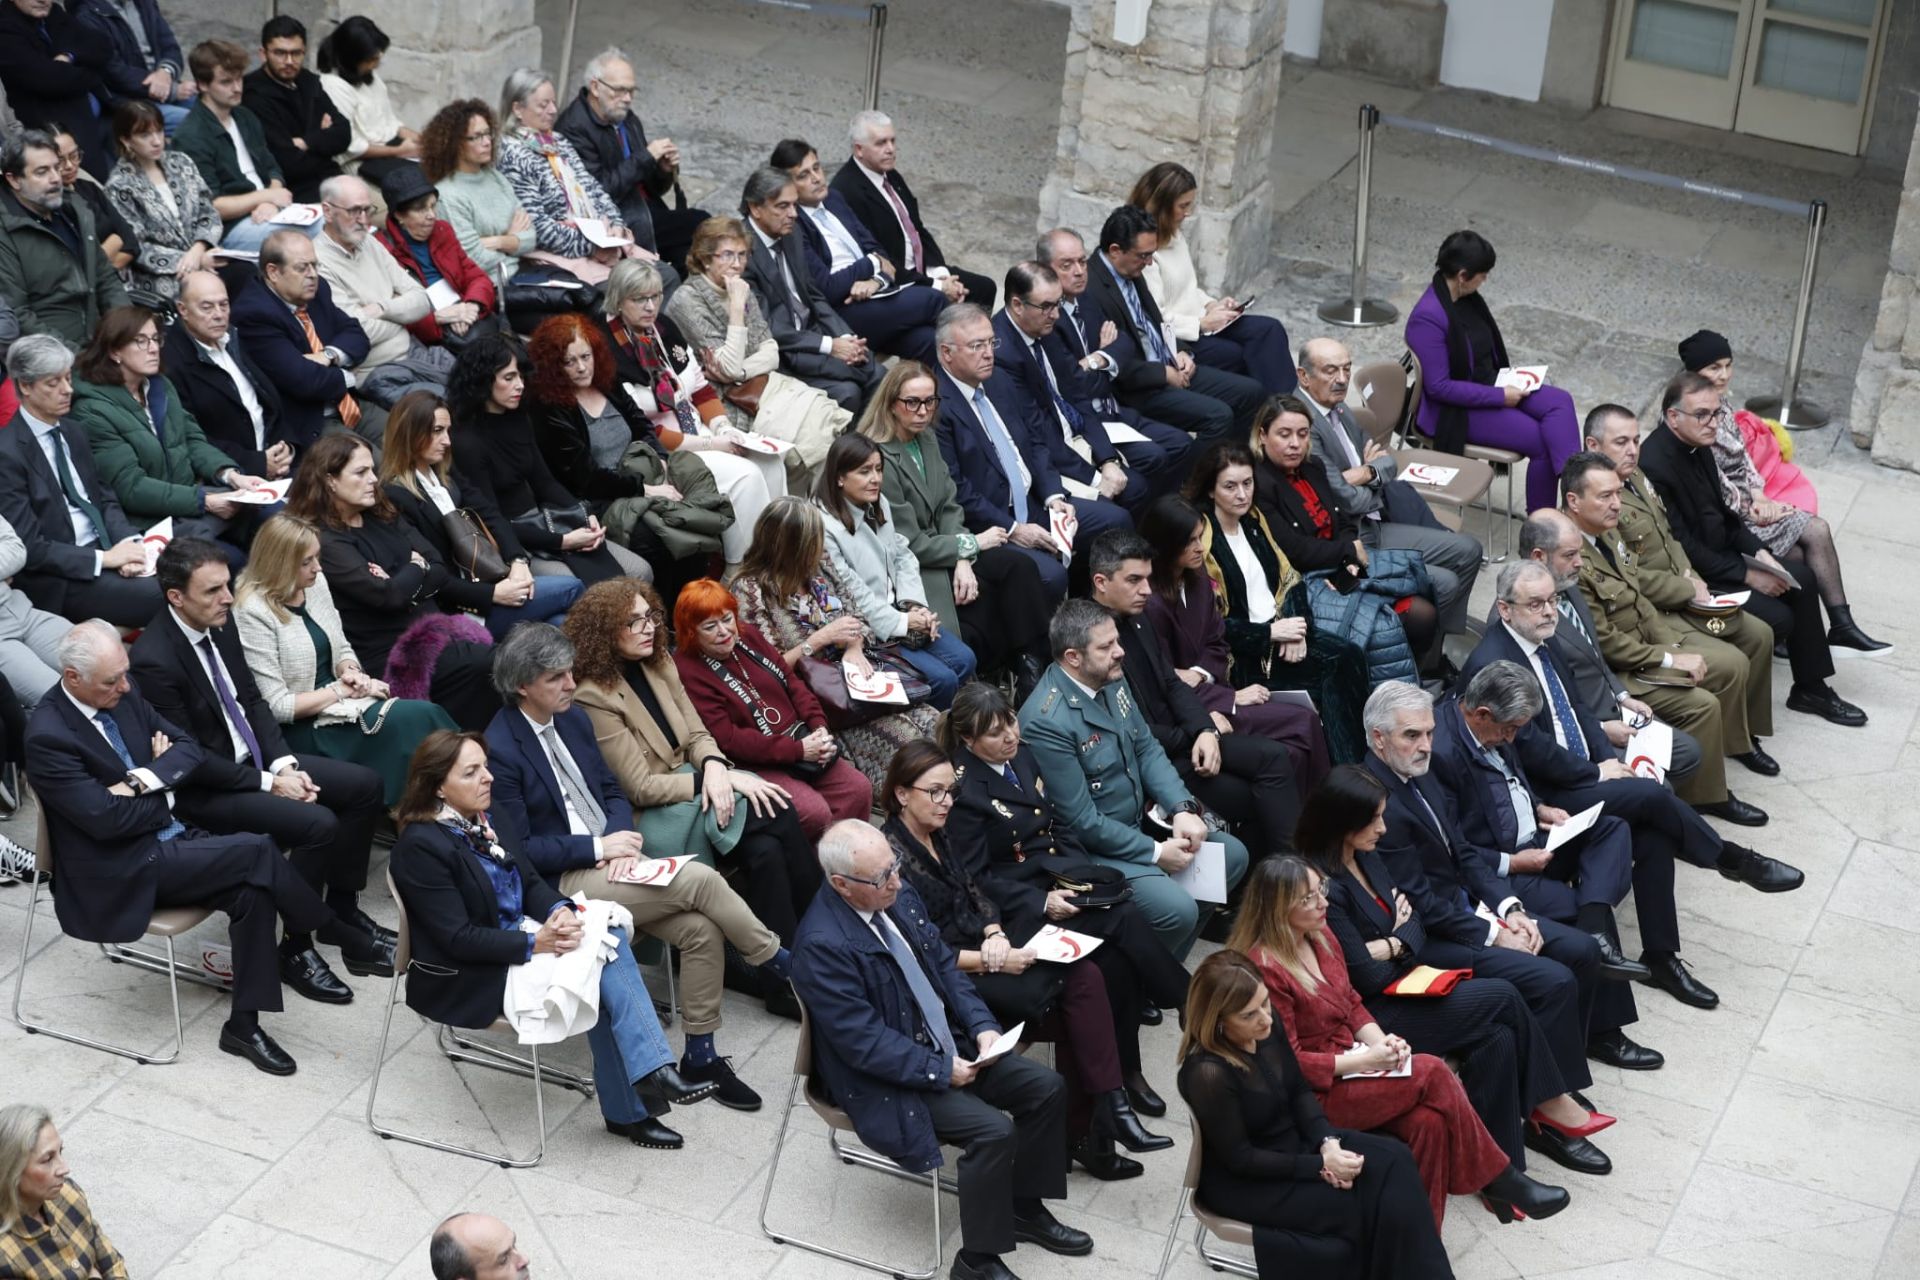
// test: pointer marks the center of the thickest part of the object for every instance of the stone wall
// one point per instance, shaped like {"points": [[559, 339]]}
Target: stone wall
{"points": [[1202, 88], [1395, 40], [1886, 391]]}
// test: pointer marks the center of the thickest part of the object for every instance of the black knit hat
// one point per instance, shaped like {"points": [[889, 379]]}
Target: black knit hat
{"points": [[405, 184], [1696, 352]]}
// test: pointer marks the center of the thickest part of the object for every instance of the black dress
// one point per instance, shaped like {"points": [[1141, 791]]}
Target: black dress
{"points": [[461, 591], [1262, 1130], [497, 459]]}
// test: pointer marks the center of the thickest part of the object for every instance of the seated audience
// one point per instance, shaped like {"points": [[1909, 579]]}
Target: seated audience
{"points": [[85, 559], [1282, 929], [816, 345], [291, 634], [229, 145], [880, 197], [390, 585], [638, 173], [467, 899], [305, 132], [467, 1245], [790, 594], [145, 63], [416, 466], [888, 1038], [1105, 792], [383, 300], [161, 193], [1451, 332], [717, 313], [556, 800], [1766, 471], [872, 559], [54, 70], [311, 349], [687, 797], [52, 268], [850, 270], [1220, 332], [552, 182], [656, 366], [116, 234], [978, 586], [427, 249], [236, 404], [457, 156], [99, 748], [1152, 375], [47, 1228], [29, 637], [1069, 1003], [1350, 1202], [378, 145]]}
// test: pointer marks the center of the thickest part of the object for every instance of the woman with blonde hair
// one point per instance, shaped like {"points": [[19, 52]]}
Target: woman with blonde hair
{"points": [[47, 1231], [291, 633], [1343, 1054]]}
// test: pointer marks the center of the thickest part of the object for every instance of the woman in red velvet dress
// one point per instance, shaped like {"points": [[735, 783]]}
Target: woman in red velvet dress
{"points": [[1282, 929]]}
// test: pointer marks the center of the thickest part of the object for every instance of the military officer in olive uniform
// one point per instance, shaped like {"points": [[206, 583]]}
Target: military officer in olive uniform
{"points": [[1104, 772]]}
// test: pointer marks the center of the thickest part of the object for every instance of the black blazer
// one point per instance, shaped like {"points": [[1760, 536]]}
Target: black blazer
{"points": [[44, 91], [1017, 359], [1010, 829], [278, 346], [873, 209], [207, 392], [460, 952], [459, 591], [1356, 919], [1293, 529], [797, 333], [562, 432], [1139, 371], [1434, 867], [498, 462], [109, 851], [173, 675], [1174, 712], [375, 612], [294, 111], [1499, 645], [32, 502]]}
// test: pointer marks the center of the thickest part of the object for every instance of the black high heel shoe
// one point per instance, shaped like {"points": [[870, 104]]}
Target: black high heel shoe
{"points": [[1513, 1196], [1126, 1127]]}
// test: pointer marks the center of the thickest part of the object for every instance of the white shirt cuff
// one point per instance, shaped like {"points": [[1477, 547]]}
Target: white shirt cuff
{"points": [[99, 562], [826, 346], [1666, 660], [1506, 861], [938, 273], [1507, 904], [149, 779], [599, 848]]}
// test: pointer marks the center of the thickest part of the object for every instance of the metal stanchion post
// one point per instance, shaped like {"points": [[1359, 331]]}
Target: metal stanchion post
{"points": [[1793, 413], [877, 22], [1357, 310], [566, 46]]}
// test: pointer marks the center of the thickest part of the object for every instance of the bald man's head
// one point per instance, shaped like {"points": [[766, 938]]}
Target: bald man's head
{"points": [[476, 1246]]}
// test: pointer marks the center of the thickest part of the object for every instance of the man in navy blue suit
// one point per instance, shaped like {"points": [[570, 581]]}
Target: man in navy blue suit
{"points": [[1143, 463], [306, 345], [849, 265], [992, 439]]}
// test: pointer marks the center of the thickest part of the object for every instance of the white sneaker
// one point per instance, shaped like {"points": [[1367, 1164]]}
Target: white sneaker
{"points": [[17, 863]]}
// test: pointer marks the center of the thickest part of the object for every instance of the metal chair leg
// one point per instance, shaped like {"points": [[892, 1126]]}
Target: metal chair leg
{"points": [[153, 962], [1173, 1236], [459, 1048], [170, 966]]}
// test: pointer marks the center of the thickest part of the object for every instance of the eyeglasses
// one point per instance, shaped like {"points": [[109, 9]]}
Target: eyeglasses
{"points": [[357, 212], [729, 255], [936, 794], [641, 625], [1044, 308], [886, 878], [617, 90], [68, 159], [298, 268], [144, 341], [919, 404], [980, 346], [714, 626], [480, 135], [1698, 415], [646, 299], [1535, 606], [1317, 895]]}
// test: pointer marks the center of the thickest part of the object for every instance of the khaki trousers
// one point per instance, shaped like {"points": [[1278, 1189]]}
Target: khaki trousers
{"points": [[1719, 711]]}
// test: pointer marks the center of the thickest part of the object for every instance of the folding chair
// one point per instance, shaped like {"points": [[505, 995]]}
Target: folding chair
{"points": [[1501, 460], [1206, 1222]]}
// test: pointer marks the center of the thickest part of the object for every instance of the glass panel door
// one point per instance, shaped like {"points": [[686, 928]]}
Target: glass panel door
{"points": [[1809, 71], [1683, 58]]}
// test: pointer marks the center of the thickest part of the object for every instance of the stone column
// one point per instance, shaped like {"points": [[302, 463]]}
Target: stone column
{"points": [[1886, 391], [448, 49], [1202, 89]]}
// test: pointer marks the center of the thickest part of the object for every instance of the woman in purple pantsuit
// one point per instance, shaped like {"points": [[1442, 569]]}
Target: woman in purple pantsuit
{"points": [[1452, 333]]}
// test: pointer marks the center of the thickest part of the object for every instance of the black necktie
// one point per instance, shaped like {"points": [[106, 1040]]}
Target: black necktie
{"points": [[72, 489]]}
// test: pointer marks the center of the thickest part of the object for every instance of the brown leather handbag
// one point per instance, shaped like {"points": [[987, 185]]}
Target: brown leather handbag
{"points": [[475, 553], [744, 396]]}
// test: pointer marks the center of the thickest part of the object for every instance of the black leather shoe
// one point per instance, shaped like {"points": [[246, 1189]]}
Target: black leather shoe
{"points": [[1614, 963], [668, 1085], [258, 1048], [1514, 1195], [729, 1089], [988, 1268], [1759, 761], [1143, 1098], [368, 959], [1577, 1154], [1851, 637], [1126, 1127], [309, 975], [1042, 1228], [1150, 1016], [1735, 810], [1102, 1162], [647, 1133], [1768, 875], [1826, 704], [1615, 1050], [360, 920], [1672, 976]]}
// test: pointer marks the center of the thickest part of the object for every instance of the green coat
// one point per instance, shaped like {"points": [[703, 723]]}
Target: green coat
{"points": [[53, 290], [1102, 766], [150, 479], [926, 510]]}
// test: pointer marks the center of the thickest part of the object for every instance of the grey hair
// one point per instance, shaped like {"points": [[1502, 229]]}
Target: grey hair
{"points": [[865, 122], [597, 64], [1043, 247], [953, 317], [518, 87], [37, 356], [1513, 570], [1506, 689], [85, 644], [1384, 705], [20, 1126], [839, 845], [763, 184], [333, 188], [630, 278], [1072, 626], [1544, 530], [530, 651]]}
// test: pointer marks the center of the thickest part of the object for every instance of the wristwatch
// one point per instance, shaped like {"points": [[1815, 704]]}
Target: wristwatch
{"points": [[139, 786], [1188, 806]]}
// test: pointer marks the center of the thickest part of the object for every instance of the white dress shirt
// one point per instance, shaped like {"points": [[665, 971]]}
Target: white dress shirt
{"points": [[238, 743], [49, 437], [148, 778], [1532, 650], [561, 759], [842, 249], [241, 383]]}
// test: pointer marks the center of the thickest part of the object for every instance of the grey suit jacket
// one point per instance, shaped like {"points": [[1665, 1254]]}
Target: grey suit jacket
{"points": [[16, 611], [797, 333], [1359, 499]]}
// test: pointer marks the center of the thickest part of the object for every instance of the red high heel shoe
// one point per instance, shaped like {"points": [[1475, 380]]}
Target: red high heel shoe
{"points": [[1596, 1121]]}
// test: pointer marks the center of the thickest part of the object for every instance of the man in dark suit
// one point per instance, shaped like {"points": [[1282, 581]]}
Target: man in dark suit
{"points": [[994, 447], [1153, 375], [305, 345], [321, 811], [305, 132], [1147, 459], [1245, 778], [880, 197], [1466, 904], [639, 173], [897, 1031], [816, 345], [850, 268], [105, 767], [84, 557], [230, 396]]}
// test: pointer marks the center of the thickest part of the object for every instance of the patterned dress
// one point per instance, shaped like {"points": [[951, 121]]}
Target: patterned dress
{"points": [[1740, 480]]}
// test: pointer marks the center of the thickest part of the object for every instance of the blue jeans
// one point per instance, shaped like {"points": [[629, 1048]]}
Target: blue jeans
{"points": [[627, 1041], [946, 664], [552, 597], [247, 235]]}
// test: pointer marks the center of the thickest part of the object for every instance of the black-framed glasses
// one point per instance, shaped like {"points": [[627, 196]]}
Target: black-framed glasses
{"points": [[886, 877], [919, 404], [936, 794], [1698, 415], [1044, 308]]}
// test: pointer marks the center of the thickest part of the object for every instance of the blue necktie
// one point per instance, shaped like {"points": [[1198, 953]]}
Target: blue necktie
{"points": [[1563, 709], [931, 1009], [1156, 345], [1072, 415], [119, 745], [1003, 448], [1572, 615], [1012, 777]]}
